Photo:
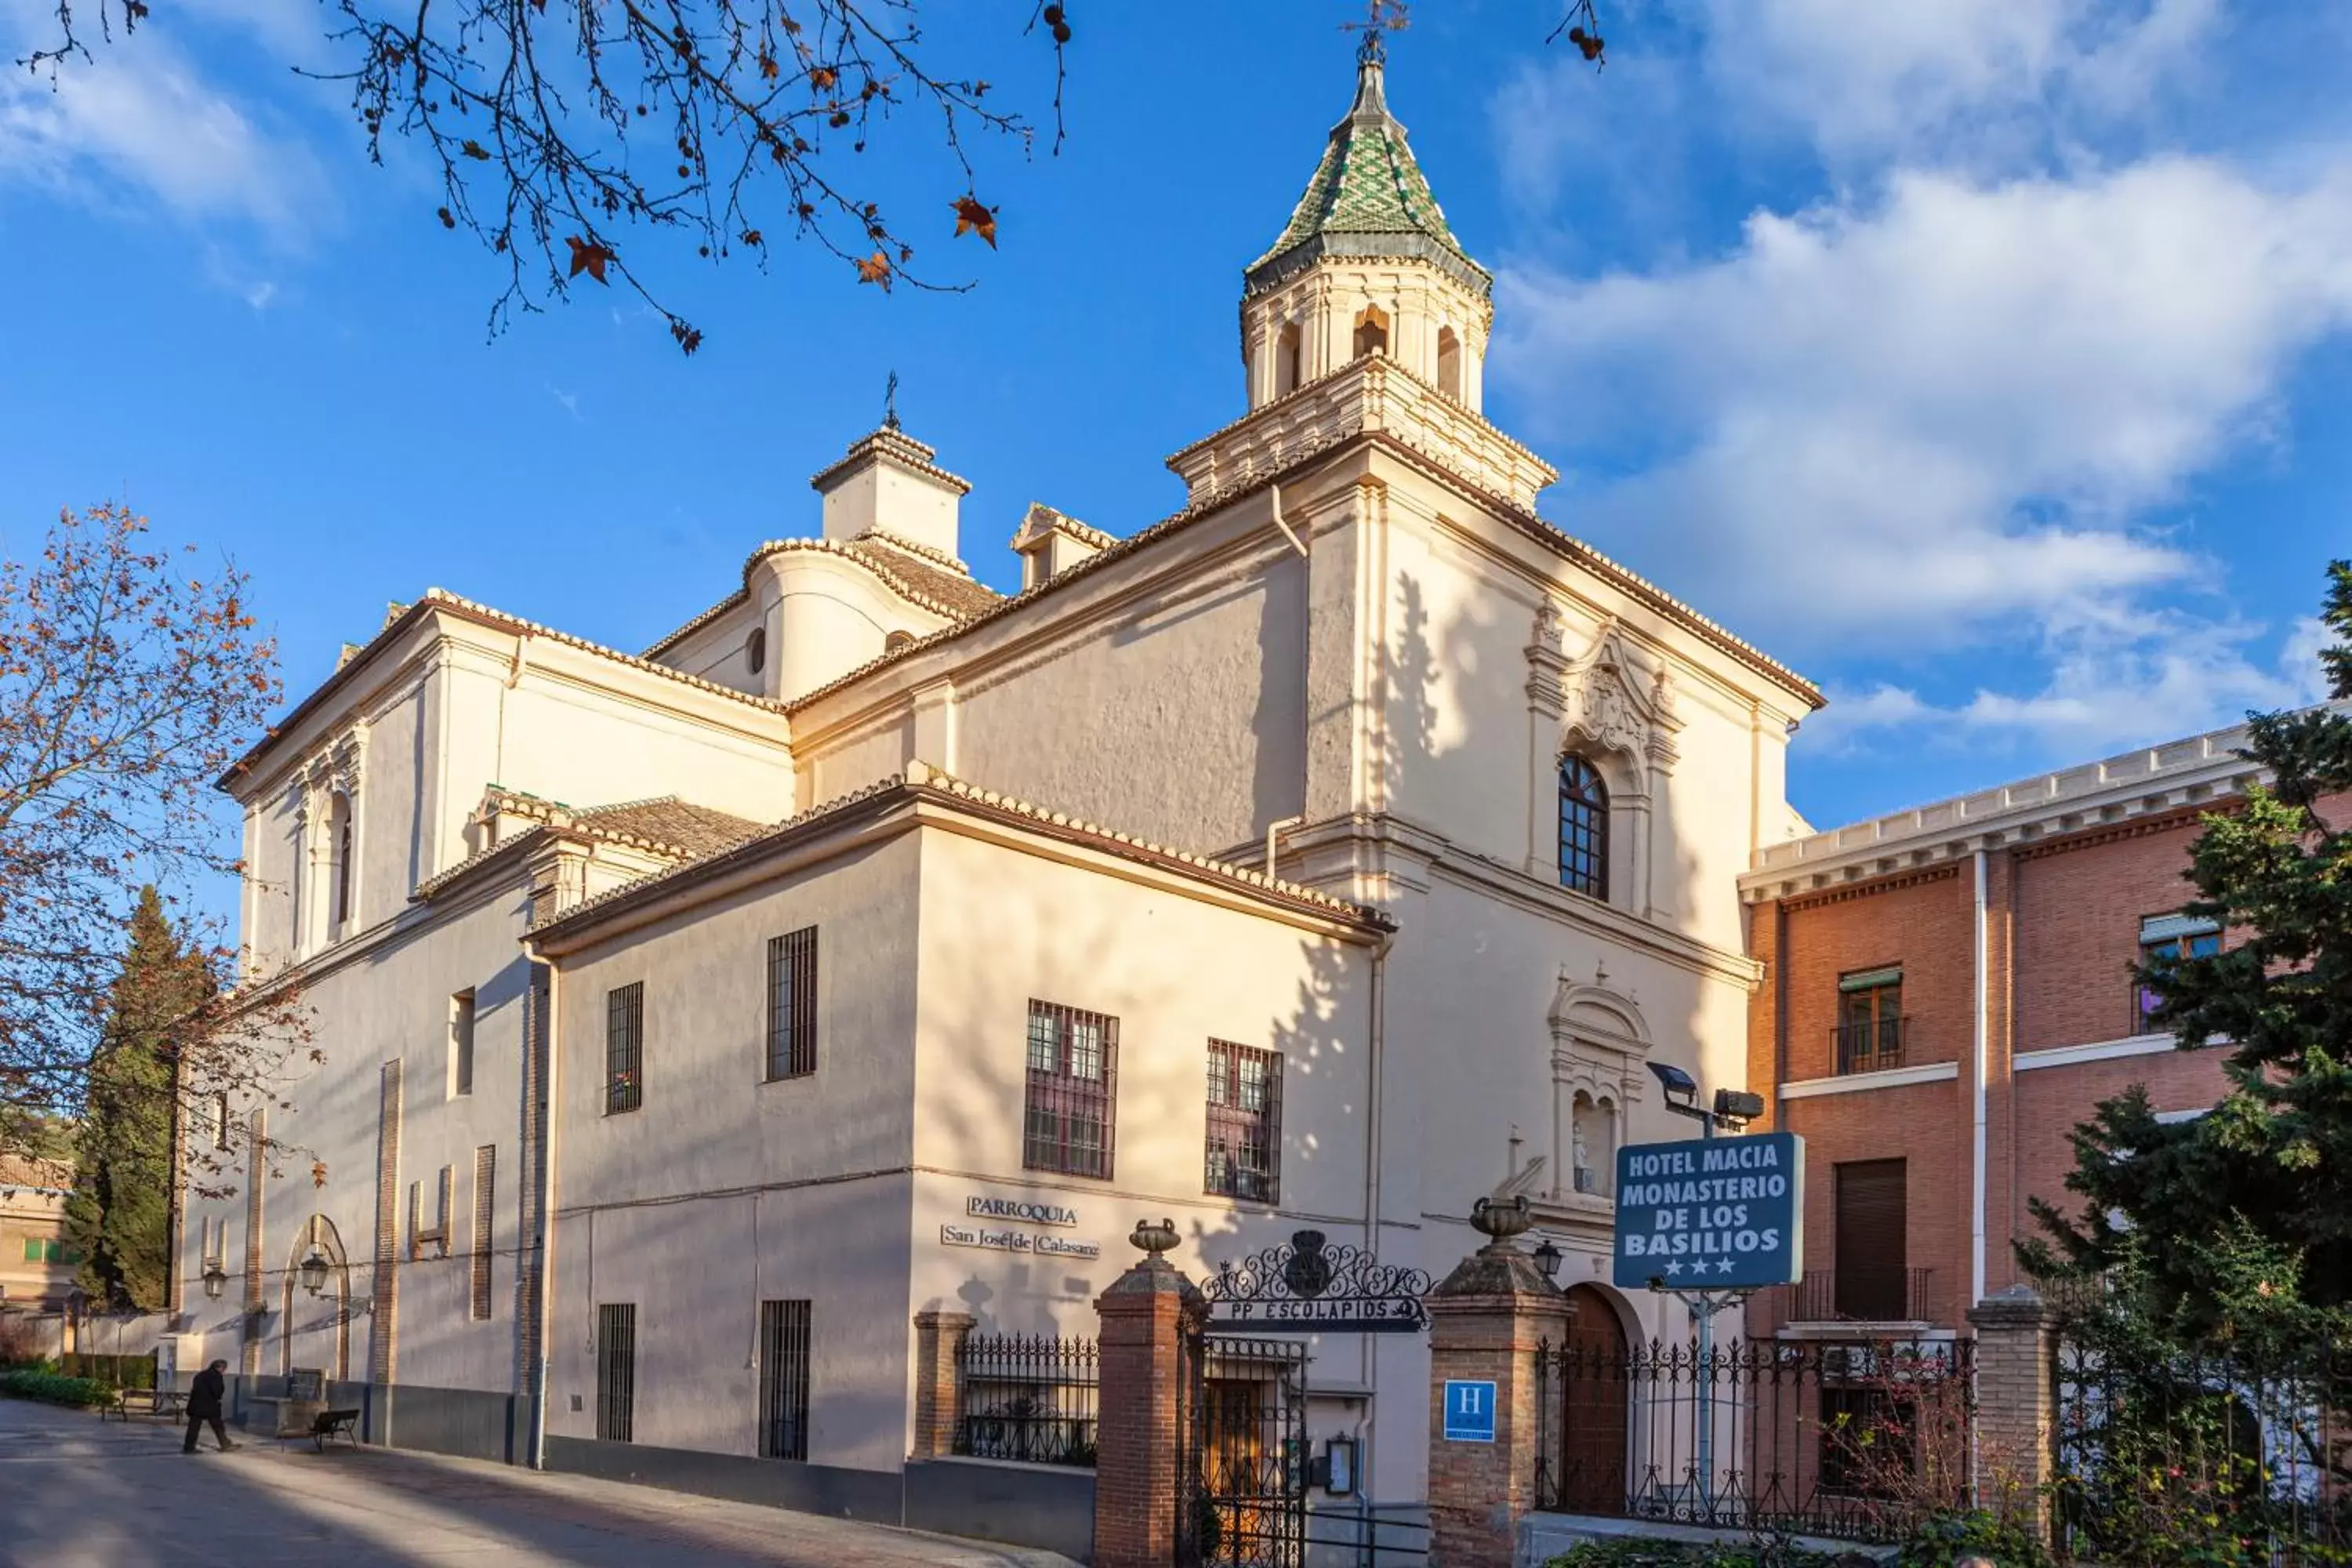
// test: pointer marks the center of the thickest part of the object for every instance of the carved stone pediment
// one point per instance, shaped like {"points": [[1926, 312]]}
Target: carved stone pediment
{"points": [[1616, 700]]}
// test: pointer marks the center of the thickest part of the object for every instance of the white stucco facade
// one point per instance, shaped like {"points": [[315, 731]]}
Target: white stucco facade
{"points": [[1359, 642]]}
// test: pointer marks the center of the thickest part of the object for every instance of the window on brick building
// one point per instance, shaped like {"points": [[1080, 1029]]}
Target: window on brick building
{"points": [[2164, 940], [1870, 1027], [1244, 1139], [1583, 828], [1070, 1110], [1870, 1244]]}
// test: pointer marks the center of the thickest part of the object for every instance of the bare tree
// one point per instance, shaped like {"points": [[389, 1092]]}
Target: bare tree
{"points": [[559, 127], [127, 688]]}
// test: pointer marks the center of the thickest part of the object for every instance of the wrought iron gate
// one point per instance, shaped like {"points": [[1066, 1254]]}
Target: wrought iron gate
{"points": [[1241, 1442]]}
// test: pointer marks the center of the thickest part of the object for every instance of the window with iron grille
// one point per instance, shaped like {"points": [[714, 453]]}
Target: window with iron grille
{"points": [[486, 1182], [624, 1049], [1583, 828], [1245, 1142], [784, 1380], [616, 1371], [1071, 1108], [792, 1005]]}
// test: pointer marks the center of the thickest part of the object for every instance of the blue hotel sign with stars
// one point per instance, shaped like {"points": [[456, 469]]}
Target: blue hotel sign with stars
{"points": [[1711, 1214]]}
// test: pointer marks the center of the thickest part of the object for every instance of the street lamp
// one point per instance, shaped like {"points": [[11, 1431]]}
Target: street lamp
{"points": [[1547, 1255], [1732, 1110], [313, 1270], [216, 1281]]}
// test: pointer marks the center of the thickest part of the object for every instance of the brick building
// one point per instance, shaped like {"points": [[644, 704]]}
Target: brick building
{"points": [[1947, 993]]}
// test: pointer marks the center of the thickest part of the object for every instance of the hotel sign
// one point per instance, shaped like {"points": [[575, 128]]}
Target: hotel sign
{"points": [[1711, 1214]]}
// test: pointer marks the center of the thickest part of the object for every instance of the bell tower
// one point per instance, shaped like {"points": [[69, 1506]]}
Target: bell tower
{"points": [[1367, 266]]}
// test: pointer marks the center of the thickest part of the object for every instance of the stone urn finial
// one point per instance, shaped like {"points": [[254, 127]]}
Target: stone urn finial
{"points": [[1500, 1221], [1152, 1240]]}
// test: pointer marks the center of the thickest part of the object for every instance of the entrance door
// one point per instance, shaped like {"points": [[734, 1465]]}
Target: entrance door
{"points": [[1597, 1398], [1242, 1454]]}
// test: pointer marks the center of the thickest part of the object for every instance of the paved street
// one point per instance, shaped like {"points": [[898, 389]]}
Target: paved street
{"points": [[78, 1493]]}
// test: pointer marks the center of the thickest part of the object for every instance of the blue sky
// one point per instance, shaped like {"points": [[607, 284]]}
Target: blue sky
{"points": [[1988, 362]]}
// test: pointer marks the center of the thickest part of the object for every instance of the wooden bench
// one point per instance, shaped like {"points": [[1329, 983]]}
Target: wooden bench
{"points": [[167, 1402], [330, 1423]]}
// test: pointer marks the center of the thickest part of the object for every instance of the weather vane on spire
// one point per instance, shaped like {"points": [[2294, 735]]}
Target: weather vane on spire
{"points": [[890, 402], [1379, 16]]}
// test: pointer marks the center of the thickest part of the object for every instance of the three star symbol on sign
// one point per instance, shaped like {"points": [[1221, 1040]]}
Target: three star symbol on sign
{"points": [[1675, 1266]]}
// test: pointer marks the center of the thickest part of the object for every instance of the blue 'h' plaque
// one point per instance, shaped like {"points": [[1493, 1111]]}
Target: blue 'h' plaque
{"points": [[1469, 1412]]}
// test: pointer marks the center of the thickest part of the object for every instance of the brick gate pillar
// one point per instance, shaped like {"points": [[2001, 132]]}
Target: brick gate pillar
{"points": [[1145, 1314], [2016, 1402], [939, 1341], [1485, 1320]]}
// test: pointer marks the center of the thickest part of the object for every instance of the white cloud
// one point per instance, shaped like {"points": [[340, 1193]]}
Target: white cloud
{"points": [[1936, 78], [142, 118], [1917, 417]]}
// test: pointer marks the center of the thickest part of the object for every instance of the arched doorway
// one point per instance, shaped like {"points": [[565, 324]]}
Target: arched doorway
{"points": [[1594, 1425], [332, 1311]]}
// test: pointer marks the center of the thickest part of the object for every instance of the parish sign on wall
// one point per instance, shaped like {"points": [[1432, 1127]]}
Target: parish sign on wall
{"points": [[1711, 1214]]}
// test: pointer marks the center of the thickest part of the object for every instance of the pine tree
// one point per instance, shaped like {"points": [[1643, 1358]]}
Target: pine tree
{"points": [[2268, 1174], [118, 1217]]}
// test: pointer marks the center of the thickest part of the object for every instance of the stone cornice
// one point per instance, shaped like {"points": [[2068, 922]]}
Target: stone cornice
{"points": [[1367, 395], [844, 550], [2151, 789]]}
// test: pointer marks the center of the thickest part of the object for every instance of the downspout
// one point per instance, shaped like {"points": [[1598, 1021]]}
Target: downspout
{"points": [[1978, 1044], [1296, 542], [544, 1242], [1274, 830]]}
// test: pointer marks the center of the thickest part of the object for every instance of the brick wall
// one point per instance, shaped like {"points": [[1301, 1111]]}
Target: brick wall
{"points": [[2078, 905], [1922, 922]]}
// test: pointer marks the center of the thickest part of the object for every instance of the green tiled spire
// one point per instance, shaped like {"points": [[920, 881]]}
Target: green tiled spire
{"points": [[1367, 198]]}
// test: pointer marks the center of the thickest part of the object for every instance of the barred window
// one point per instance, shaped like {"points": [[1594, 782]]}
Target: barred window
{"points": [[1245, 1142], [792, 1005], [1071, 1105], [486, 1182], [616, 1371], [1583, 828], [624, 1049], [784, 1380]]}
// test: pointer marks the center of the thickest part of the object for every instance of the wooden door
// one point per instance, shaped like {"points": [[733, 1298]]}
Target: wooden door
{"points": [[1594, 1410]]}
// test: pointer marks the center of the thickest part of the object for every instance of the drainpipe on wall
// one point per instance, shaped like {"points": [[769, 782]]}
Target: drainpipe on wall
{"points": [[1979, 1045], [1274, 830], [545, 1248]]}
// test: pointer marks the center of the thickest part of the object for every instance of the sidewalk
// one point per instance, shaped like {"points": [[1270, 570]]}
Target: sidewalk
{"points": [[78, 1493]]}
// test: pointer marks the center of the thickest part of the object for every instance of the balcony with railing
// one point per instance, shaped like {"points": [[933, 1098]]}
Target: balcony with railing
{"points": [[1872, 1046], [1856, 1295]]}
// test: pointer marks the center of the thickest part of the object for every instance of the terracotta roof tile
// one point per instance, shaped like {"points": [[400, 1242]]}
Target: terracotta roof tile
{"points": [[669, 823]]}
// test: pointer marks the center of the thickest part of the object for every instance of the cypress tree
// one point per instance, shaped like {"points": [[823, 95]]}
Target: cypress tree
{"points": [[118, 1219]]}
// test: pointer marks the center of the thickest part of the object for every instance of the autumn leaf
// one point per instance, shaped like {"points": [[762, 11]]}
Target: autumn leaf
{"points": [[974, 219], [318, 1172], [874, 269], [587, 256], [823, 77], [473, 149], [768, 66]]}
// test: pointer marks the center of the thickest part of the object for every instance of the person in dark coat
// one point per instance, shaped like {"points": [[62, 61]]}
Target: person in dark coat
{"points": [[205, 1397]]}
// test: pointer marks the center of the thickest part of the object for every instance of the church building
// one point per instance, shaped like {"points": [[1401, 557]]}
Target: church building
{"points": [[1313, 859]]}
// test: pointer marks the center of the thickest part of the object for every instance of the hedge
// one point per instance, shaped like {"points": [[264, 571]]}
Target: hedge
{"points": [[51, 1388]]}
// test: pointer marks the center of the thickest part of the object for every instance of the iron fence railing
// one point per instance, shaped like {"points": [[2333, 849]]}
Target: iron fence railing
{"points": [[1028, 1397], [1857, 1440], [1891, 1295], [1871, 1046], [2204, 1457]]}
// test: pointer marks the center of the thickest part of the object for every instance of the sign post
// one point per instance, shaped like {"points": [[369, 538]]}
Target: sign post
{"points": [[1711, 1220]]}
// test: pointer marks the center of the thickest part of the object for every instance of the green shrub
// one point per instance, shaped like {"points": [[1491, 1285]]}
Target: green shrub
{"points": [[1942, 1539], [1633, 1552], [50, 1388]]}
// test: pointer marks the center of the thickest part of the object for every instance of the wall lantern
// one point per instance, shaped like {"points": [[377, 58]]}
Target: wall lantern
{"points": [[313, 1270], [1547, 1255], [216, 1281]]}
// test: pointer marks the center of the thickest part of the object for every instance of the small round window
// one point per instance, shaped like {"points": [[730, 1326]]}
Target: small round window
{"points": [[755, 649]]}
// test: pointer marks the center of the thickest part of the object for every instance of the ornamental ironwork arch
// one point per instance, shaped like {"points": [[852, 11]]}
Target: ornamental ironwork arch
{"points": [[1308, 1286]]}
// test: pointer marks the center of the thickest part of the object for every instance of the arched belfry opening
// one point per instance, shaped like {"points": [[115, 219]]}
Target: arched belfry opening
{"points": [[1372, 332], [1449, 362], [1287, 360]]}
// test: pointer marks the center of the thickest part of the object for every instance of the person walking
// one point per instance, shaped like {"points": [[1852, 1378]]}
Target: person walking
{"points": [[205, 1397]]}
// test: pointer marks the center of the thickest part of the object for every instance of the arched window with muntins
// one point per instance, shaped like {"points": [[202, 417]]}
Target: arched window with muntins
{"points": [[1583, 828]]}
